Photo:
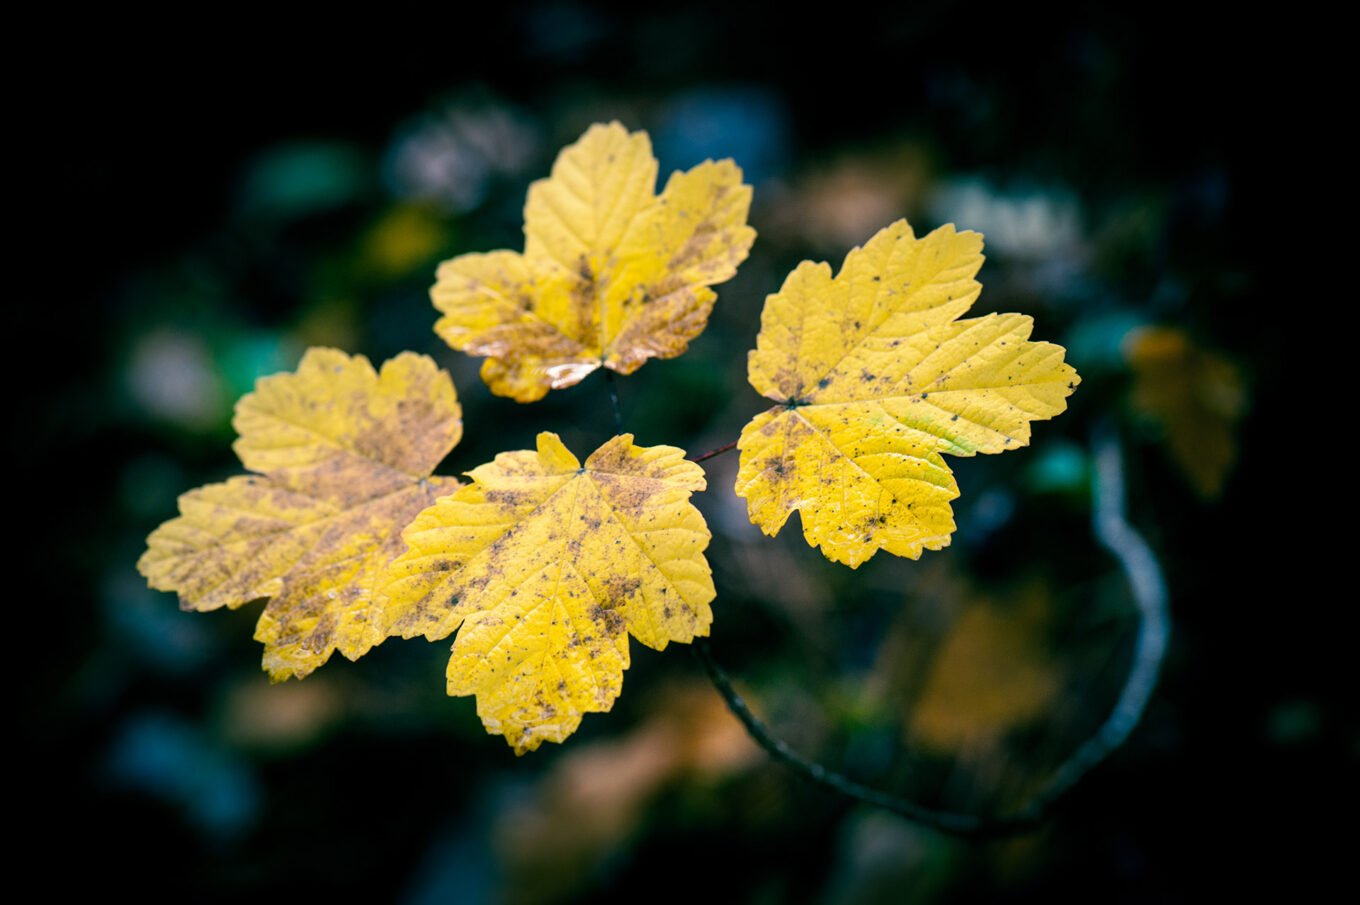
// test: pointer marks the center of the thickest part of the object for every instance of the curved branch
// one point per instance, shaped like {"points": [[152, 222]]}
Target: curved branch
{"points": [[948, 821], [1148, 584], [1145, 578]]}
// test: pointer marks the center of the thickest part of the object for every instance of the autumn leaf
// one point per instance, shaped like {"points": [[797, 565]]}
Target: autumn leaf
{"points": [[992, 673], [548, 566], [1195, 396], [343, 456], [875, 378], [611, 275]]}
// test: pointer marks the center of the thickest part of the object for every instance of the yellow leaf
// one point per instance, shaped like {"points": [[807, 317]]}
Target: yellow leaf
{"points": [[875, 377], [1195, 395], [548, 566], [992, 673], [344, 457], [611, 275], [404, 238]]}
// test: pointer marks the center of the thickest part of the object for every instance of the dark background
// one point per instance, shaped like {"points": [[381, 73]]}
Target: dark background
{"points": [[197, 210]]}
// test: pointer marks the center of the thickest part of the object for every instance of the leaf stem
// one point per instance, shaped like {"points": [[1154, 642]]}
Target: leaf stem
{"points": [[726, 447], [1144, 574]]}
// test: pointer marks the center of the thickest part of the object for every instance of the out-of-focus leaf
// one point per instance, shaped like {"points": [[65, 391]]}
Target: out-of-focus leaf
{"points": [[992, 673], [1195, 395], [837, 204], [260, 715], [403, 239], [594, 798]]}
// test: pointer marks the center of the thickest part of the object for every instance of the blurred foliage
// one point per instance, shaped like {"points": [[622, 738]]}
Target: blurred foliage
{"points": [[1194, 396], [197, 213]]}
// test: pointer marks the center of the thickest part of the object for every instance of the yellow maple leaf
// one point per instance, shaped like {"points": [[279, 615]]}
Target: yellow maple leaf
{"points": [[344, 457], [611, 275], [875, 377], [1195, 395], [548, 565]]}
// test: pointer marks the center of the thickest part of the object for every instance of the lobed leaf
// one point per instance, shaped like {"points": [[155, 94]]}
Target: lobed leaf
{"points": [[611, 274], [548, 565], [345, 457], [875, 378]]}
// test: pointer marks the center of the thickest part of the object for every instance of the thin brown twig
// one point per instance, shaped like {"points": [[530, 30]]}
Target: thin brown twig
{"points": [[726, 447]]}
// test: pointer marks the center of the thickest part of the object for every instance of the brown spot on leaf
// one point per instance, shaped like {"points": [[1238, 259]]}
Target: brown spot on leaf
{"points": [[313, 535]]}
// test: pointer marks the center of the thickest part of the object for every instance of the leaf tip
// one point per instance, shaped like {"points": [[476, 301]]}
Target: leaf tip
{"points": [[553, 453]]}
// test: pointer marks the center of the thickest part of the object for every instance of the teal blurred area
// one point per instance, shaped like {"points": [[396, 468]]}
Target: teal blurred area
{"points": [[195, 214]]}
